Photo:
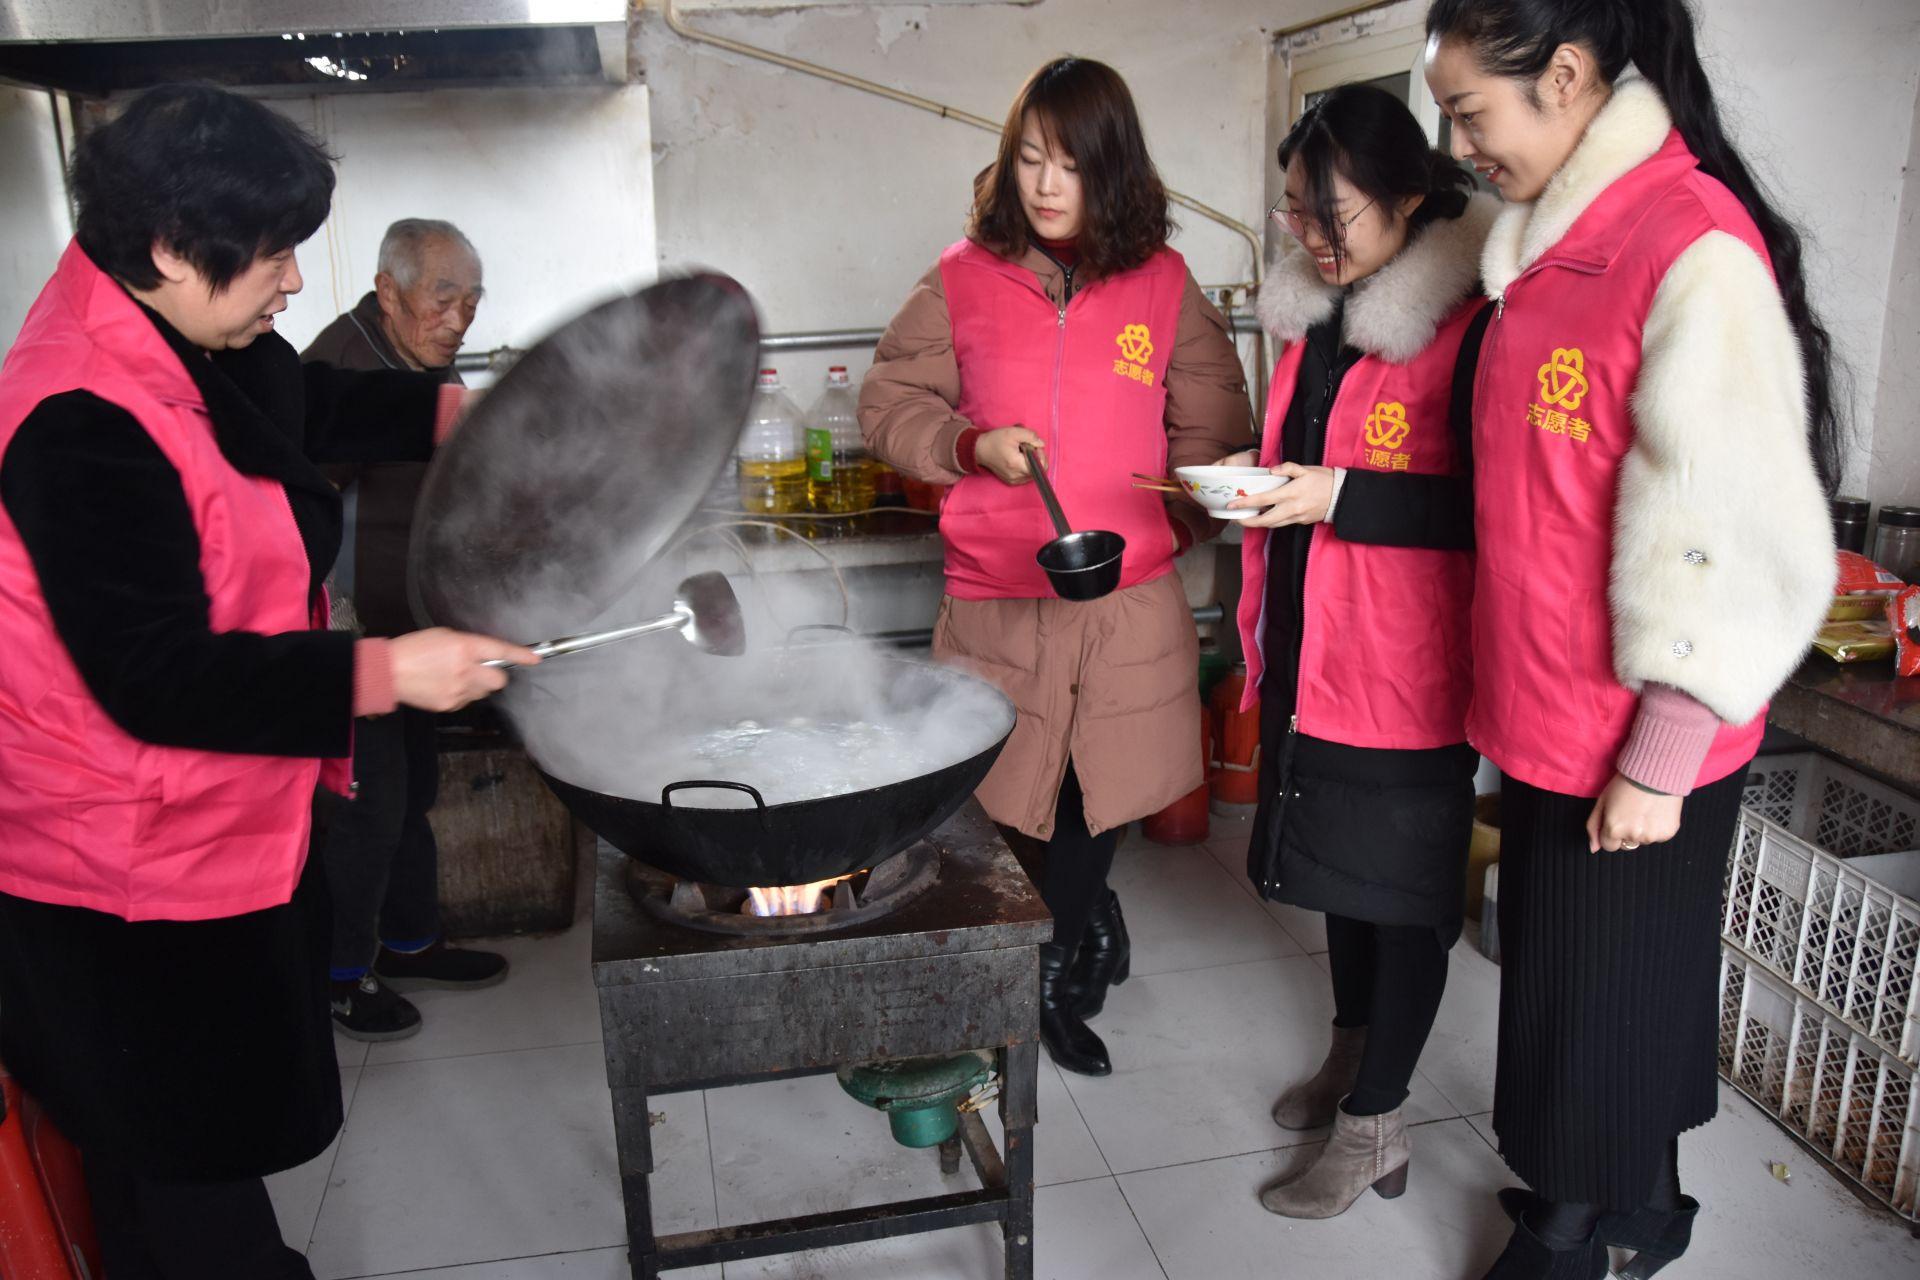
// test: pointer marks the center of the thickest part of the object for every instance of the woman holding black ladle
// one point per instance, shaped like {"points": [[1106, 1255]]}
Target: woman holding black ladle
{"points": [[1064, 331]]}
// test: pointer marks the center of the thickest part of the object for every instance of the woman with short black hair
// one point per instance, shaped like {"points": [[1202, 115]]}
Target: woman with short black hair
{"points": [[172, 694]]}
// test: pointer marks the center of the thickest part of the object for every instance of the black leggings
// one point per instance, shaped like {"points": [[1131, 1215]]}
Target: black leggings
{"points": [[1388, 979], [1071, 868], [152, 1230]]}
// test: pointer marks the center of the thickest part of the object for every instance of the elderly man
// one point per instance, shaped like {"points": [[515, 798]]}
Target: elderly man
{"points": [[379, 851]]}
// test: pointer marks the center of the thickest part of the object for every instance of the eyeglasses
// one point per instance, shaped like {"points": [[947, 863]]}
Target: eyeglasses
{"points": [[1295, 225]]}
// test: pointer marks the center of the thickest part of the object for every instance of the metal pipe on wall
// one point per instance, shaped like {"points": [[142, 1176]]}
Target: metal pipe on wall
{"points": [[808, 340], [680, 27]]}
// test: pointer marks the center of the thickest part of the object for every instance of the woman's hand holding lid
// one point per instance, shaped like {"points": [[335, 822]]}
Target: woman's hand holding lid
{"points": [[441, 670]]}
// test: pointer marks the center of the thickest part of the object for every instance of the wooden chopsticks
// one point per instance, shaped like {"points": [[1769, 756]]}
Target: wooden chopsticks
{"points": [[1160, 484]]}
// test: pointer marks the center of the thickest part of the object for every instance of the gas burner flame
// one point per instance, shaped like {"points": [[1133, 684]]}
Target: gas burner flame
{"points": [[790, 899]]}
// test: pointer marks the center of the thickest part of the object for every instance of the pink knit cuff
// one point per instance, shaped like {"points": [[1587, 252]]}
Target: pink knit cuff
{"points": [[373, 692], [1672, 733], [447, 410]]}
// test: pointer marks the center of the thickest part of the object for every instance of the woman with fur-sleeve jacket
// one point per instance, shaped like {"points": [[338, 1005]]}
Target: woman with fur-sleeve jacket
{"points": [[1654, 556]]}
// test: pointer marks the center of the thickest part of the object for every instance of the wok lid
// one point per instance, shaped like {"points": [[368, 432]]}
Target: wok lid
{"points": [[573, 472]]}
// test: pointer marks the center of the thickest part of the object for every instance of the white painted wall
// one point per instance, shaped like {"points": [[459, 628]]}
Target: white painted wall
{"points": [[34, 223], [1895, 473], [829, 204], [1821, 100], [553, 186]]}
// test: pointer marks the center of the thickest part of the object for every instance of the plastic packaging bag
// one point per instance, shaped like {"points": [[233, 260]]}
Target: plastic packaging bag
{"points": [[1859, 575], [1903, 611], [1854, 641]]}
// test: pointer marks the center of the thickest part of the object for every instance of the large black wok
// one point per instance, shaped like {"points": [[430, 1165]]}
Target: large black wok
{"points": [[679, 831]]}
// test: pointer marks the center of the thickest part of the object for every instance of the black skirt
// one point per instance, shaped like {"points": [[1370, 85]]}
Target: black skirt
{"points": [[189, 1051], [1609, 992]]}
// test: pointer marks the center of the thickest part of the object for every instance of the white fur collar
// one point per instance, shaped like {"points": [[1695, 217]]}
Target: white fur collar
{"points": [[1395, 312], [1627, 132]]}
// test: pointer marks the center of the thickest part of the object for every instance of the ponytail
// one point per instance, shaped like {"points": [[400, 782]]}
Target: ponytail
{"points": [[1517, 38], [1449, 189]]}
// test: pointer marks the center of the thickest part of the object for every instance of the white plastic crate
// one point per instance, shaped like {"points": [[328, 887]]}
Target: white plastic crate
{"points": [[1832, 807], [1828, 1085], [1831, 930]]}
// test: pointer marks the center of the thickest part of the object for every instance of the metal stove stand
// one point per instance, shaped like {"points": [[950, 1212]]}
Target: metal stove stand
{"points": [[956, 969]]}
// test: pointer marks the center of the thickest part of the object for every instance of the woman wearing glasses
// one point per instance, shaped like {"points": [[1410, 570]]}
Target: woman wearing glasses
{"points": [[1354, 610]]}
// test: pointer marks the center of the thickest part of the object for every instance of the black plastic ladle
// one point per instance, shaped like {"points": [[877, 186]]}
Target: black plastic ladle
{"points": [[1083, 565]]}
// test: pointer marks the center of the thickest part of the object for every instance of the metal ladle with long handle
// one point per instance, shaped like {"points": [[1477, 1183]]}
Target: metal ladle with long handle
{"points": [[706, 613], [1081, 566]]}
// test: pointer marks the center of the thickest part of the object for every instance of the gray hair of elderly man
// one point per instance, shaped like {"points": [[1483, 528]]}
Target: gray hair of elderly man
{"points": [[400, 247]]}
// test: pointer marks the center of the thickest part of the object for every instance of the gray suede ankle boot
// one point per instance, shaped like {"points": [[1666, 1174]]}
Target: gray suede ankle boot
{"points": [[1311, 1104], [1365, 1151]]}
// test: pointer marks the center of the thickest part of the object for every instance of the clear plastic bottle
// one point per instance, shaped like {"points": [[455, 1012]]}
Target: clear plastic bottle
{"points": [[840, 472], [772, 453], [723, 495]]}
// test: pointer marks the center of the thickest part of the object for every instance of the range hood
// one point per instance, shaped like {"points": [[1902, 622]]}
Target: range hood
{"points": [[101, 47]]}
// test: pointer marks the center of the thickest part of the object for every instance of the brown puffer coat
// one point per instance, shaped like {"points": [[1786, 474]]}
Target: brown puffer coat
{"points": [[1110, 684]]}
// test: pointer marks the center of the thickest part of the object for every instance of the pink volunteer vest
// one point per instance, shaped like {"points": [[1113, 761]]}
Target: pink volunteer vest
{"points": [[1384, 654], [1091, 380], [89, 815], [1553, 418]]}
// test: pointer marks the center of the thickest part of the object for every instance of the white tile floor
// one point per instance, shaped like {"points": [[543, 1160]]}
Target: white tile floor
{"points": [[482, 1149]]}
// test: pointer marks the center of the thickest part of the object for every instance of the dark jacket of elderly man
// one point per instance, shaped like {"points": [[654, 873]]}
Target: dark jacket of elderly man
{"points": [[381, 860], [424, 299]]}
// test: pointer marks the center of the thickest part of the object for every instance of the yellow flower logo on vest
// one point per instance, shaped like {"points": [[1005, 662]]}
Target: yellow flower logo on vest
{"points": [[1387, 425], [1563, 382], [1136, 348], [1563, 379]]}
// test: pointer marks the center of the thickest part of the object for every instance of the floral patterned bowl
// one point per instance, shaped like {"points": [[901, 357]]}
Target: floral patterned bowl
{"points": [[1215, 487]]}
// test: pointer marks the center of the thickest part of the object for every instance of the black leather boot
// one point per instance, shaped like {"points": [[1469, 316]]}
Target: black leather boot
{"points": [[1527, 1257], [1654, 1237], [1105, 958], [1070, 1042]]}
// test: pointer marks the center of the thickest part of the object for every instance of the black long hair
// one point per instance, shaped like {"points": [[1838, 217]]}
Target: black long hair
{"points": [[1369, 137], [1085, 108], [1517, 38]]}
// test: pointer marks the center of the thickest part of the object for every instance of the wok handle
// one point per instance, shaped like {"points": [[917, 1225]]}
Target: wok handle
{"points": [[564, 645], [666, 792], [1060, 525]]}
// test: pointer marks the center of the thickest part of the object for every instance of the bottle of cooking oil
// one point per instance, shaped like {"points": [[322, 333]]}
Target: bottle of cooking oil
{"points": [[840, 473], [772, 454]]}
